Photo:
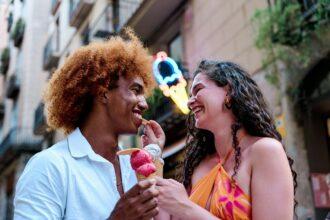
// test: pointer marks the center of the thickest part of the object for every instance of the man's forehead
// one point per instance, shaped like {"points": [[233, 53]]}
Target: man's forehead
{"points": [[137, 80], [132, 80]]}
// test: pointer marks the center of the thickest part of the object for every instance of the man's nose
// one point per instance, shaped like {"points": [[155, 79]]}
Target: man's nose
{"points": [[143, 105]]}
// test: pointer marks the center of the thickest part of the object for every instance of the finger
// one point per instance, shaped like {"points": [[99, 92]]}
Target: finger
{"points": [[156, 128], [144, 140], [173, 181], [140, 186], [150, 133], [152, 213], [148, 194], [150, 204], [161, 181]]}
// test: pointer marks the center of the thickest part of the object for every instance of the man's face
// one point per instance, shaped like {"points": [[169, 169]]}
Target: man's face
{"points": [[126, 104]]}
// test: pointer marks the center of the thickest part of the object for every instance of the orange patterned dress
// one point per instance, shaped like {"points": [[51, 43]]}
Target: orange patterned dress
{"points": [[227, 199]]}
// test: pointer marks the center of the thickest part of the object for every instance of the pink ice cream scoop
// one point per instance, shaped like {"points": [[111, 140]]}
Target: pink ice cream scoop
{"points": [[141, 162]]}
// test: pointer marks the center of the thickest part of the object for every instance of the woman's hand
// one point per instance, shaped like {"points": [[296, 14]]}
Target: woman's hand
{"points": [[174, 200], [172, 197], [153, 134]]}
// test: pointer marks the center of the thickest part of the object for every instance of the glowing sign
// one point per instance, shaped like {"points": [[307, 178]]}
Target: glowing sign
{"points": [[170, 80]]}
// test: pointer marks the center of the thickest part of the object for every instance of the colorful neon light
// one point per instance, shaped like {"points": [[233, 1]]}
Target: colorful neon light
{"points": [[176, 91]]}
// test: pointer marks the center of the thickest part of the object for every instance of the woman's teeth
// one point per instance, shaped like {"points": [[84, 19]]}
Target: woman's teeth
{"points": [[198, 109]]}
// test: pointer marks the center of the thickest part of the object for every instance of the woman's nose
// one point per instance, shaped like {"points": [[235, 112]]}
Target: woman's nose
{"points": [[191, 102]]}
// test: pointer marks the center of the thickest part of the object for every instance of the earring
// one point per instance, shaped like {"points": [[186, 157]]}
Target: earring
{"points": [[227, 103]]}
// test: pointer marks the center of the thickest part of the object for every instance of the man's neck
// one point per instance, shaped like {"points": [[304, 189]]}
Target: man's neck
{"points": [[102, 141]]}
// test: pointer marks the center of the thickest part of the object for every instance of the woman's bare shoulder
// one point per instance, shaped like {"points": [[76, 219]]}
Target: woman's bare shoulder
{"points": [[267, 148]]}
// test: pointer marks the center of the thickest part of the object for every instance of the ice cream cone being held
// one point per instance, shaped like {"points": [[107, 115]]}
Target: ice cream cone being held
{"points": [[147, 163]]}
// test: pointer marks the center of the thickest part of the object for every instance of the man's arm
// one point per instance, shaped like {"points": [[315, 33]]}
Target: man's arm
{"points": [[40, 191]]}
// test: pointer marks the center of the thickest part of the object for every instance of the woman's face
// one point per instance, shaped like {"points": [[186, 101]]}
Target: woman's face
{"points": [[207, 103]]}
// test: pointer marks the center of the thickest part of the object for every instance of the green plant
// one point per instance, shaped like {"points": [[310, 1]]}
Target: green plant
{"points": [[286, 33], [18, 32], [154, 101], [5, 56]]}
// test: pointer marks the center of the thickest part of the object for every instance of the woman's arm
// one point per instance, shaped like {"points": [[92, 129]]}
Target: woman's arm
{"points": [[272, 183]]}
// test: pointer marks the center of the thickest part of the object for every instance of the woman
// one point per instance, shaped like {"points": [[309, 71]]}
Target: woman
{"points": [[235, 166]]}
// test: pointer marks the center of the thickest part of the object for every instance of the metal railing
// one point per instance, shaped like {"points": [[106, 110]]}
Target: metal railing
{"points": [[20, 140]]}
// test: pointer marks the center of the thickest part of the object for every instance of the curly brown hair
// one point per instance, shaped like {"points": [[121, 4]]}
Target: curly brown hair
{"points": [[92, 70], [250, 111]]}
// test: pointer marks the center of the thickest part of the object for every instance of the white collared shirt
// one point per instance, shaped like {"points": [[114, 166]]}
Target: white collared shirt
{"points": [[70, 181]]}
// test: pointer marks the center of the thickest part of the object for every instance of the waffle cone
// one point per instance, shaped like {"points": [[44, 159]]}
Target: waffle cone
{"points": [[159, 168], [159, 171]]}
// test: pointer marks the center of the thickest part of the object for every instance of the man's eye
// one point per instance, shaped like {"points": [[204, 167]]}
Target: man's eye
{"points": [[135, 90]]}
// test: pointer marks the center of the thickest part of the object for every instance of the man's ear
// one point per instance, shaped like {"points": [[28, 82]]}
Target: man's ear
{"points": [[104, 97]]}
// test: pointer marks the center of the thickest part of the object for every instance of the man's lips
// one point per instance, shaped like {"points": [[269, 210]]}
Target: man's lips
{"points": [[137, 116]]}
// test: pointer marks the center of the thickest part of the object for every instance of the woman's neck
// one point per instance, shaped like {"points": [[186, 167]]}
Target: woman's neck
{"points": [[223, 140]]}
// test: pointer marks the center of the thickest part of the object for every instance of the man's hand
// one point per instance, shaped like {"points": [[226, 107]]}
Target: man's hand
{"points": [[153, 134], [140, 202]]}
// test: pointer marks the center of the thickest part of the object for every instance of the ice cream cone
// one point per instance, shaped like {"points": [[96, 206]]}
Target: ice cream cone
{"points": [[127, 151], [159, 164], [159, 171], [142, 177], [159, 167]]}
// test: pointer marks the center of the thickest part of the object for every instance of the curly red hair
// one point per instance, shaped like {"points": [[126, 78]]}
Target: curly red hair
{"points": [[90, 71]]}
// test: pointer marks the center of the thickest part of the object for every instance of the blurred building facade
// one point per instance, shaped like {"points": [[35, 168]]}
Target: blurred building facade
{"points": [[187, 31]]}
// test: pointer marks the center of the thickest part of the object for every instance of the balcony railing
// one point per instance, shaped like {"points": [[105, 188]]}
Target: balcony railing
{"points": [[104, 26], [51, 52], [40, 125], [55, 5], [79, 9], [13, 87], [18, 140]]}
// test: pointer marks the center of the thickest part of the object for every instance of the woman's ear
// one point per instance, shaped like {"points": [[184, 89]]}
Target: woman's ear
{"points": [[227, 101]]}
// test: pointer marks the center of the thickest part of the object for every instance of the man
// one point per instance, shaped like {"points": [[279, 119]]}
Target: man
{"points": [[96, 96]]}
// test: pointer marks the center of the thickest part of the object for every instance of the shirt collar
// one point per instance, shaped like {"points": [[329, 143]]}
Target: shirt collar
{"points": [[80, 147]]}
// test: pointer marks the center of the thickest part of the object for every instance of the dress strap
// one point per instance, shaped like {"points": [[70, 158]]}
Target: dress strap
{"points": [[227, 156]]}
